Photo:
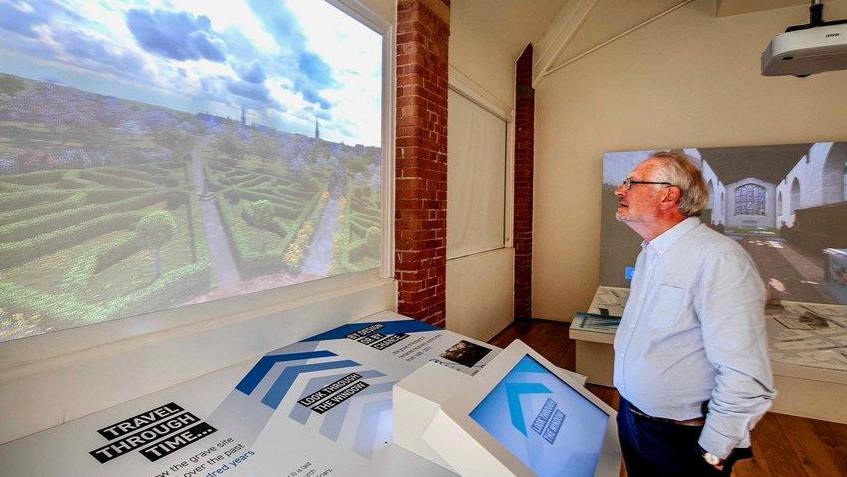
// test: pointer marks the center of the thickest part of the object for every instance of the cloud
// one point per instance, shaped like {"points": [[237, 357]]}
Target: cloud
{"points": [[24, 20], [176, 35], [281, 23], [86, 49], [310, 112], [310, 94], [310, 73], [253, 73], [258, 94], [316, 69]]}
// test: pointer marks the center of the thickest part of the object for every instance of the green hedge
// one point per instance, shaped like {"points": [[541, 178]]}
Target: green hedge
{"points": [[87, 265], [57, 308], [68, 218], [106, 196], [75, 200], [251, 263], [108, 180], [17, 253], [351, 254], [70, 183], [35, 178], [152, 180], [21, 200], [171, 289], [153, 170]]}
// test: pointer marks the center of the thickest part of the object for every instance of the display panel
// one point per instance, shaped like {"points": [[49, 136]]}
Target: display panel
{"points": [[549, 426], [155, 154], [785, 204]]}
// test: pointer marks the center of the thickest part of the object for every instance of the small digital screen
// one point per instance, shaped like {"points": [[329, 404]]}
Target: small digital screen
{"points": [[543, 421]]}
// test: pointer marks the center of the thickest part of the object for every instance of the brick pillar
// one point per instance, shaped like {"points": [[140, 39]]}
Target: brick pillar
{"points": [[423, 30], [524, 134]]}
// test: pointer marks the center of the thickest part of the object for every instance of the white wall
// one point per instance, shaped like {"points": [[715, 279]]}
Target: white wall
{"points": [[688, 79]]}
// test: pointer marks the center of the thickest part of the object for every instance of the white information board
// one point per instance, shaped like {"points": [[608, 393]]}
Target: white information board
{"points": [[318, 407]]}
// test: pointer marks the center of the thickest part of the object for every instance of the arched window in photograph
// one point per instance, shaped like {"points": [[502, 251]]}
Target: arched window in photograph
{"points": [[750, 200], [795, 195], [845, 180]]}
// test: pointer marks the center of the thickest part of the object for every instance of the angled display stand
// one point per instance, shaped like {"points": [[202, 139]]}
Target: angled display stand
{"points": [[523, 416], [320, 406]]}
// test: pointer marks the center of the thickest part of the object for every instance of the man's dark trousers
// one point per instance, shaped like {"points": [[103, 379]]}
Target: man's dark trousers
{"points": [[656, 448]]}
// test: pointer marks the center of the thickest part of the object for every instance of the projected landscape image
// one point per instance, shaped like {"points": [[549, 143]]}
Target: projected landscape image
{"points": [[154, 155]]}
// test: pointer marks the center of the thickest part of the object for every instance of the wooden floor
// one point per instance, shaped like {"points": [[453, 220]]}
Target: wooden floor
{"points": [[784, 446]]}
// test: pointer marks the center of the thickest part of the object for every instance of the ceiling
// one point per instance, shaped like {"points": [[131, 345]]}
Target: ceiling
{"points": [[515, 23], [511, 23], [737, 7]]}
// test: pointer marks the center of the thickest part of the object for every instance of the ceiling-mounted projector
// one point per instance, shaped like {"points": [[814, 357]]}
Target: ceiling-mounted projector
{"points": [[804, 50]]}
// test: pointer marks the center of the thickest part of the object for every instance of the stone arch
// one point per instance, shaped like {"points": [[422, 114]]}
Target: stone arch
{"points": [[795, 196], [834, 174], [710, 188]]}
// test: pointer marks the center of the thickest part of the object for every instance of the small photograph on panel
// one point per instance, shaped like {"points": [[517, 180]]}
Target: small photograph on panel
{"points": [[465, 353]]}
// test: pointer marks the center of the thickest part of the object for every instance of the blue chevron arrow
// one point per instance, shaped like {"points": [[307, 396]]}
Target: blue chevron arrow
{"points": [[513, 392], [283, 383], [263, 367]]}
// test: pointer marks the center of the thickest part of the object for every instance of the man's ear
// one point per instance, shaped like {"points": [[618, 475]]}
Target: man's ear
{"points": [[671, 197]]}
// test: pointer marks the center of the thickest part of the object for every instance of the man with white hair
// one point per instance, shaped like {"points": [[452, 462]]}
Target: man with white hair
{"points": [[691, 360]]}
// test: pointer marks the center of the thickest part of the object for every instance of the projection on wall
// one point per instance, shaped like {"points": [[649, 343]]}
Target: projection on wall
{"points": [[159, 154], [786, 205]]}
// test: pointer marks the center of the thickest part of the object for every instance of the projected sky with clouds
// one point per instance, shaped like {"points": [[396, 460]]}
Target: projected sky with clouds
{"points": [[286, 62]]}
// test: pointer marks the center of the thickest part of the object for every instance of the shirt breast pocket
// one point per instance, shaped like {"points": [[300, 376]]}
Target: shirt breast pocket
{"points": [[667, 308]]}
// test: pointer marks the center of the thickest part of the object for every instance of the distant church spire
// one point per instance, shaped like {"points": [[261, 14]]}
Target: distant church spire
{"points": [[317, 129], [243, 116]]}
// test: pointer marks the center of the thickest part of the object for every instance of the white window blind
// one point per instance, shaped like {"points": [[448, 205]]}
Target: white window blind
{"points": [[476, 178]]}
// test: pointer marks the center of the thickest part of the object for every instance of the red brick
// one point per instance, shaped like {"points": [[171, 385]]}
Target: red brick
{"points": [[421, 179], [523, 177]]}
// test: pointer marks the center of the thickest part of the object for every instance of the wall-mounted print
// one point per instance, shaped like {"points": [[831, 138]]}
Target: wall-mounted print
{"points": [[785, 204]]}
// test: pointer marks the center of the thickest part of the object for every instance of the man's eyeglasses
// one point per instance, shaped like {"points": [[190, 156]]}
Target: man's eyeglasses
{"points": [[628, 183]]}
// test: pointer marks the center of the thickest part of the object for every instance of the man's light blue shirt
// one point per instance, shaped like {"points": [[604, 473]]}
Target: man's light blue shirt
{"points": [[693, 330]]}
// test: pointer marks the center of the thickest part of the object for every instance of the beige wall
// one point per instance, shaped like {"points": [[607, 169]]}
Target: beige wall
{"points": [[688, 79], [483, 59], [479, 293], [480, 287]]}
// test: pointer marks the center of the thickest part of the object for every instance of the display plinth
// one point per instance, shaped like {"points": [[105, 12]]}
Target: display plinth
{"points": [[595, 356], [522, 416], [417, 398]]}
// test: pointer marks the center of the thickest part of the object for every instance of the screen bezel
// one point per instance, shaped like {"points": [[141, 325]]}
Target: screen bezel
{"points": [[459, 407]]}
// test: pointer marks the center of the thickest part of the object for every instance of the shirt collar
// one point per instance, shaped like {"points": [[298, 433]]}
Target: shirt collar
{"points": [[664, 241]]}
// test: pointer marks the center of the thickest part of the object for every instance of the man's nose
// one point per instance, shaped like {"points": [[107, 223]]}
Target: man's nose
{"points": [[620, 191]]}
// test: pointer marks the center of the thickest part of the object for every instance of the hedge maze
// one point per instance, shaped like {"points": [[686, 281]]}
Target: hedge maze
{"points": [[111, 208], [264, 210], [357, 243], [74, 248]]}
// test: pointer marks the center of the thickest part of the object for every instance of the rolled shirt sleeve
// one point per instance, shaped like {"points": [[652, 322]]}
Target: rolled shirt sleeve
{"points": [[730, 306]]}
